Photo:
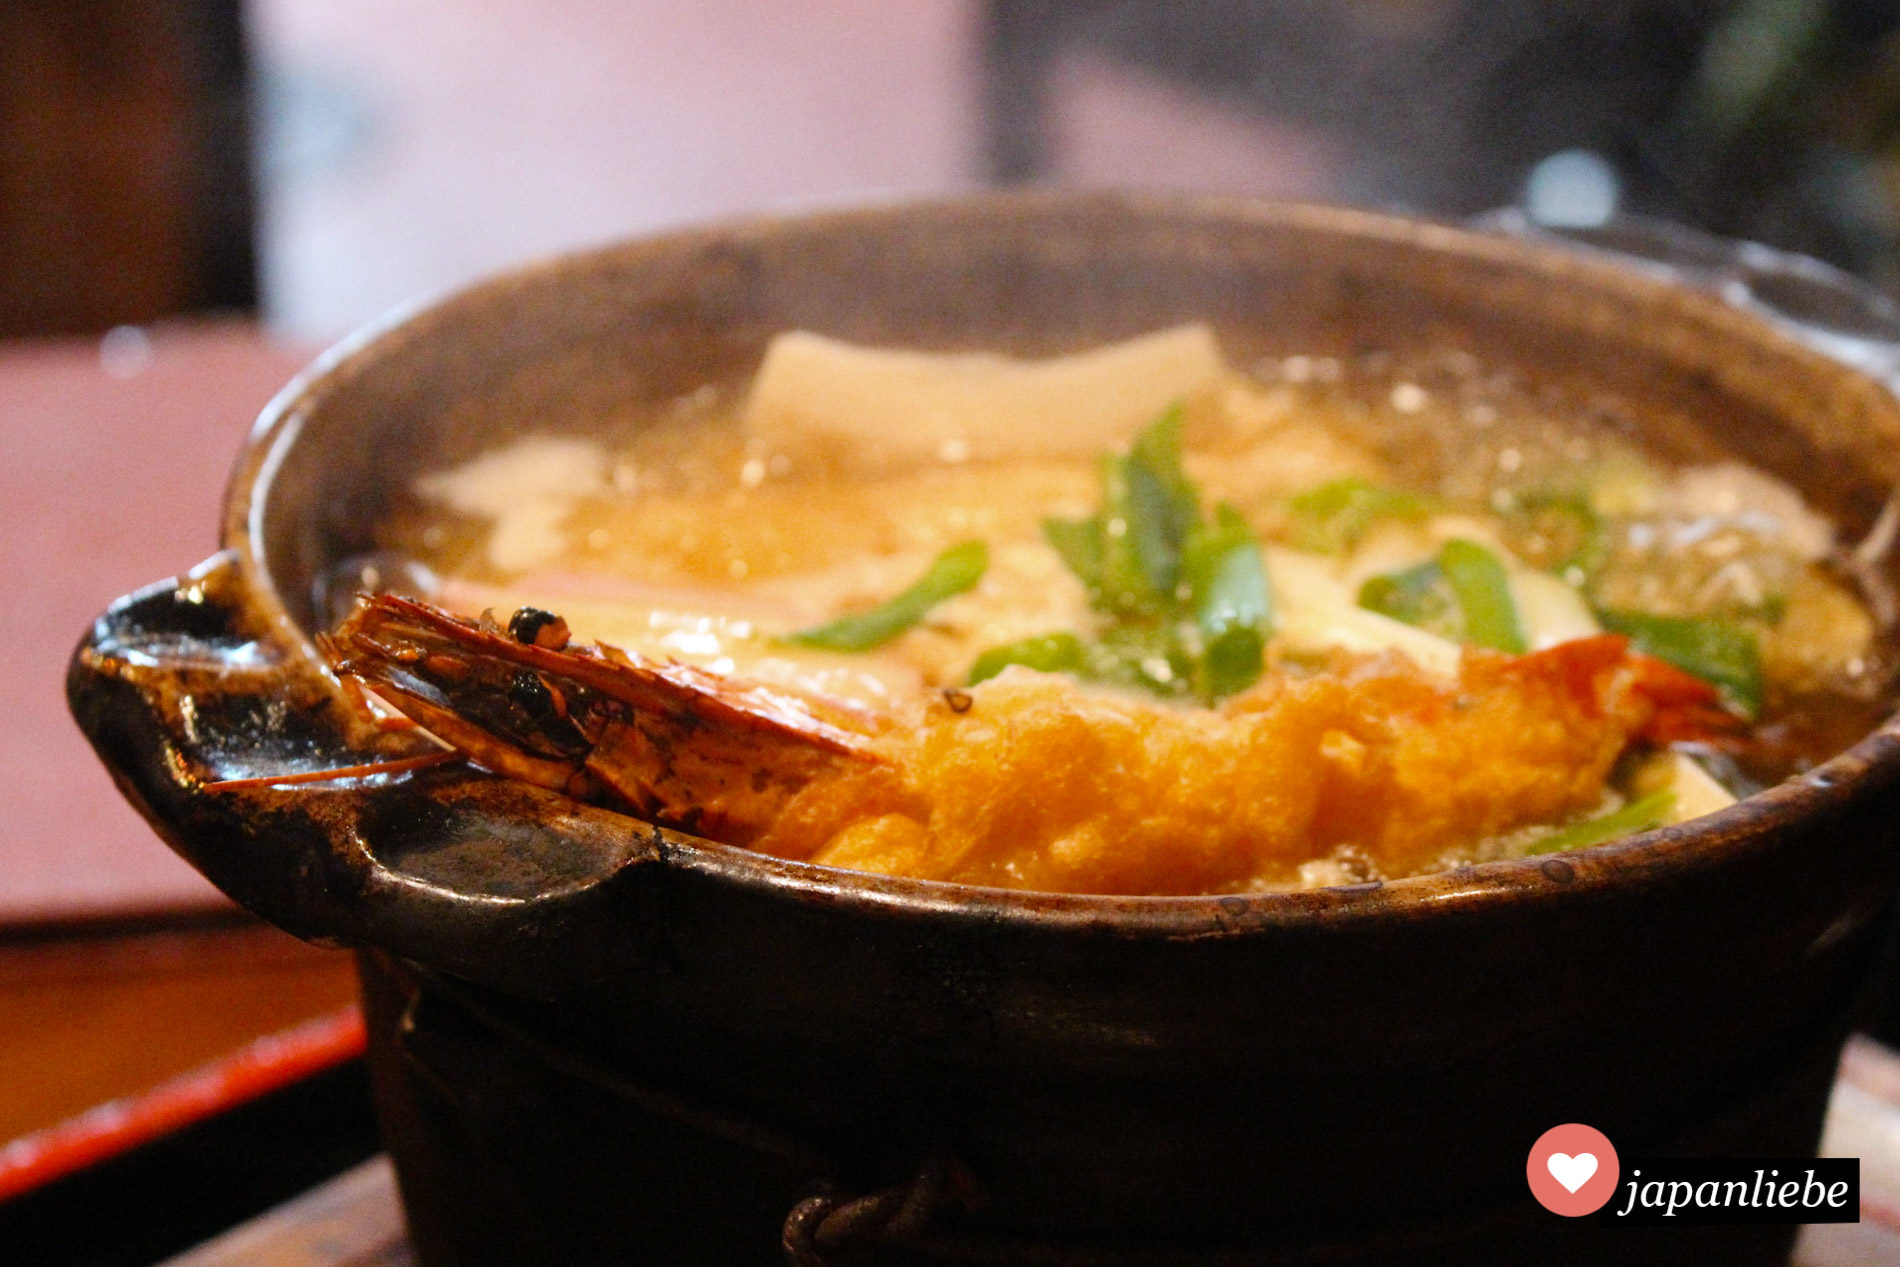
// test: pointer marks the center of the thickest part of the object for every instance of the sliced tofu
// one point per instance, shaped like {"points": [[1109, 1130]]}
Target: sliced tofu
{"points": [[527, 490], [1548, 610], [882, 409], [1697, 791]]}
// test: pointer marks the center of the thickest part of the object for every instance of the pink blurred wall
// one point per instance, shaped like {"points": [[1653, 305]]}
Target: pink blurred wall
{"points": [[479, 134]]}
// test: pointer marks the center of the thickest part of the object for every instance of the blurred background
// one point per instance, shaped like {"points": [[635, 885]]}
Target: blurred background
{"points": [[195, 195], [315, 161]]}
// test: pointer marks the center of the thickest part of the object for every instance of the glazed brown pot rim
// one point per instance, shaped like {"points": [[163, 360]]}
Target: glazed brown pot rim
{"points": [[1663, 855]]}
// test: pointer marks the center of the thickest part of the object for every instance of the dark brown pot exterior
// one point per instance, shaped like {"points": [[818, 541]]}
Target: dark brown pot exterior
{"points": [[598, 1042], [513, 1153]]}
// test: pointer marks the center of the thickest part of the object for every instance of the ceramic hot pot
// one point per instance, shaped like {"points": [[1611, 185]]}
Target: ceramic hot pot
{"points": [[595, 1041]]}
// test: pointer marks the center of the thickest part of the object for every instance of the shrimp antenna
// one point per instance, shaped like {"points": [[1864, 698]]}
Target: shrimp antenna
{"points": [[399, 766]]}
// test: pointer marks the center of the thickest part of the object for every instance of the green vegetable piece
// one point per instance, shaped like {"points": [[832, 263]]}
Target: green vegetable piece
{"points": [[1226, 575], [1129, 542], [1232, 661], [1079, 543], [1146, 653], [1153, 529], [1334, 516], [1049, 653], [1233, 606], [1148, 508], [1185, 604], [1464, 594], [957, 569], [1418, 596], [1478, 578], [1157, 452], [1719, 652], [1641, 815], [1570, 530]]}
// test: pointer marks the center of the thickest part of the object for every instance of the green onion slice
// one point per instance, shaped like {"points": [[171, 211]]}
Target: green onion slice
{"points": [[1640, 815], [1233, 605], [1185, 605], [1079, 544], [1138, 560], [1331, 518], [1478, 578], [1157, 453], [1149, 506], [1571, 532], [1418, 596], [1048, 653], [1719, 652], [957, 569]]}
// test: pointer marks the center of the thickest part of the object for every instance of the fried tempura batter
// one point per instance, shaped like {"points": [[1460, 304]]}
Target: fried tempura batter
{"points": [[1042, 784]]}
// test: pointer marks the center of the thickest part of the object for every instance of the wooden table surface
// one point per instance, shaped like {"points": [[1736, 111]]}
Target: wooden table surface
{"points": [[355, 1220], [89, 1019]]}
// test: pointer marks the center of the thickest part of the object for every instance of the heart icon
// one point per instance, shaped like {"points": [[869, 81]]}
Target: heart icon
{"points": [[1572, 1172]]}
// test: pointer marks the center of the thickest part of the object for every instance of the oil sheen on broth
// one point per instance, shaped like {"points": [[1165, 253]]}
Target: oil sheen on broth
{"points": [[1138, 621]]}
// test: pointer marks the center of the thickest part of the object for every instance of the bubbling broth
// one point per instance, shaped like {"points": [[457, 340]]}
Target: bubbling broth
{"points": [[1128, 621]]}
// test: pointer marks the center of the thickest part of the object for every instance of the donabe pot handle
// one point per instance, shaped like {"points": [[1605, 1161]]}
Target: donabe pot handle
{"points": [[183, 686], [1831, 311], [176, 687]]}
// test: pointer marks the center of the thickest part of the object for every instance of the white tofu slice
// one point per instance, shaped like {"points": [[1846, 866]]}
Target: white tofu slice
{"points": [[885, 409], [1697, 792], [1548, 610]]}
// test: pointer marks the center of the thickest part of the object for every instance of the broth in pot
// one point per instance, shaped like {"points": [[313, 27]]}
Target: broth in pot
{"points": [[1130, 621]]}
